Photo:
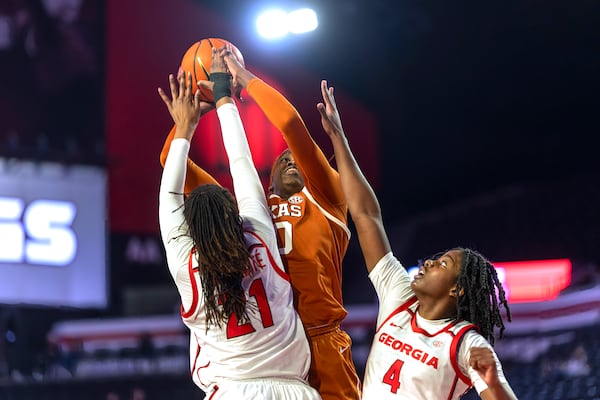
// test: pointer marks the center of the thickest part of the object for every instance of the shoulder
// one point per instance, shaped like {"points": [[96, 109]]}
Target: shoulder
{"points": [[465, 342], [472, 338], [388, 265], [391, 282]]}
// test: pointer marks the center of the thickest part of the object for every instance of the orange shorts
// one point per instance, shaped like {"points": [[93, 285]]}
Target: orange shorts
{"points": [[332, 370]]}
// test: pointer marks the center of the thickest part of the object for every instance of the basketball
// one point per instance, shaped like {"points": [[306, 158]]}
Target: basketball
{"points": [[197, 60]]}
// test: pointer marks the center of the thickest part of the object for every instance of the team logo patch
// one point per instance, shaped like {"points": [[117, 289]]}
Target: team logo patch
{"points": [[438, 343], [295, 200]]}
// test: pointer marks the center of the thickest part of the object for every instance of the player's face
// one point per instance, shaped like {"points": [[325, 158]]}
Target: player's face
{"points": [[437, 276], [286, 178]]}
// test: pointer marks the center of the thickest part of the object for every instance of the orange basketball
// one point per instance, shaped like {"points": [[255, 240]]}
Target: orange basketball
{"points": [[197, 60]]}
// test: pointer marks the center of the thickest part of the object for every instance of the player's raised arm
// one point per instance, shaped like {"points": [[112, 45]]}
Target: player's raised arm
{"points": [[247, 186], [319, 177], [362, 202], [185, 111], [195, 176]]}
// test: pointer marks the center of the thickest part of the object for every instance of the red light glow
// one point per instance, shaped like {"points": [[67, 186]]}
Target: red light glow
{"points": [[530, 281]]}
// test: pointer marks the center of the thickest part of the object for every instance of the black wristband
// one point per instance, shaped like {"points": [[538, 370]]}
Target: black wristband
{"points": [[222, 88]]}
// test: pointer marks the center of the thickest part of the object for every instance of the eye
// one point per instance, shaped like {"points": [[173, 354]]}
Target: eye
{"points": [[443, 263]]}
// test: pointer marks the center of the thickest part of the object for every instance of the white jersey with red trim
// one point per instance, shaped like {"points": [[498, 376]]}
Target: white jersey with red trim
{"points": [[272, 344], [415, 358]]}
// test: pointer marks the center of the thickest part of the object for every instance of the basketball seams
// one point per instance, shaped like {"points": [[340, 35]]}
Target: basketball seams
{"points": [[194, 69], [201, 61]]}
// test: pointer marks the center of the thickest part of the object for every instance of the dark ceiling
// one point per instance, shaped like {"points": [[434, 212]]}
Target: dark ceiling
{"points": [[469, 95]]}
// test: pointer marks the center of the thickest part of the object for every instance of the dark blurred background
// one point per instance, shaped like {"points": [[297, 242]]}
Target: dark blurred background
{"points": [[476, 122]]}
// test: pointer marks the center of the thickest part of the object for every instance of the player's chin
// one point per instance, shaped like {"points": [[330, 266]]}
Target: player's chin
{"points": [[415, 284], [293, 180]]}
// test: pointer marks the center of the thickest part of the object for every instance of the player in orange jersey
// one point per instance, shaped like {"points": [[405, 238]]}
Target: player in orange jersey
{"points": [[310, 214]]}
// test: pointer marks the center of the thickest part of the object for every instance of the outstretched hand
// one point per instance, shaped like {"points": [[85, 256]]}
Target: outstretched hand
{"points": [[330, 117], [184, 107], [218, 62], [217, 66], [241, 76]]}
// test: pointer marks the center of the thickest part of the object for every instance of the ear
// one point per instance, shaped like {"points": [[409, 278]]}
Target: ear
{"points": [[457, 293]]}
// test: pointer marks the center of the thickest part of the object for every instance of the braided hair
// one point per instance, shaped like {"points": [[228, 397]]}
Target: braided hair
{"points": [[215, 226], [481, 294]]}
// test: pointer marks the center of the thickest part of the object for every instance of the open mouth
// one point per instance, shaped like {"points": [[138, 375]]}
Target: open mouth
{"points": [[419, 274], [290, 170]]}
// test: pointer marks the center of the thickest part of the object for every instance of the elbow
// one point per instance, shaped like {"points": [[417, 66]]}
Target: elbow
{"points": [[369, 216], [291, 122]]}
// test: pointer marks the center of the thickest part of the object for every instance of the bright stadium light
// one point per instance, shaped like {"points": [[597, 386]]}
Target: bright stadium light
{"points": [[302, 20], [275, 23], [271, 24]]}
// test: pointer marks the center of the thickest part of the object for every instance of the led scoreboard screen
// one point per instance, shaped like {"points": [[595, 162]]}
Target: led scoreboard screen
{"points": [[52, 234]]}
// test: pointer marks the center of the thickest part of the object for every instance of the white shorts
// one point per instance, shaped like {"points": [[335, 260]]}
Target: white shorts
{"points": [[263, 389]]}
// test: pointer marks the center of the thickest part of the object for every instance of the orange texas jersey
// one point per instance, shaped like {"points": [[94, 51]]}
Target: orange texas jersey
{"points": [[312, 243], [319, 234], [315, 219]]}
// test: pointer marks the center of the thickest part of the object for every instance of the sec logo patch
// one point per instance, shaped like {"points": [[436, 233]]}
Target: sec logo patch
{"points": [[295, 200]]}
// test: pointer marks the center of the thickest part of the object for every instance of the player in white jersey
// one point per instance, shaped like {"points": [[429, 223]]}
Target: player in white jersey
{"points": [[434, 333], [246, 340]]}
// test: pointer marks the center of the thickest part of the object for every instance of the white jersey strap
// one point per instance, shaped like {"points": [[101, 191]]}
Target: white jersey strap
{"points": [[326, 213]]}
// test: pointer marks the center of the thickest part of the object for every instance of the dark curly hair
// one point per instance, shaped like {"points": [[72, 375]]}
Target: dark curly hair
{"points": [[215, 226], [480, 294]]}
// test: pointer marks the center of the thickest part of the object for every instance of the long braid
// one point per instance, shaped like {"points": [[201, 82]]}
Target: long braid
{"points": [[481, 294], [215, 227]]}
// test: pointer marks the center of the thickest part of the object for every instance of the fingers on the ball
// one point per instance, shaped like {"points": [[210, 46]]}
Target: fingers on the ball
{"points": [[179, 86], [173, 85], [206, 84], [188, 84]]}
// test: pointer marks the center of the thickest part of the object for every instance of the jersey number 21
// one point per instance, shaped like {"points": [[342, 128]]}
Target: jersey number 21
{"points": [[257, 290]]}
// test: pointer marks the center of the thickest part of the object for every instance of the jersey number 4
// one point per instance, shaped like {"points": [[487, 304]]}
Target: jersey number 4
{"points": [[392, 376], [257, 290]]}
